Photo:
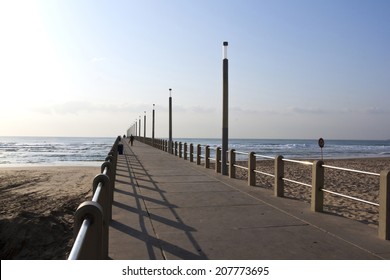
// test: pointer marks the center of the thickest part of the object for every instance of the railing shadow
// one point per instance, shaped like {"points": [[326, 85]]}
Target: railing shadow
{"points": [[137, 174]]}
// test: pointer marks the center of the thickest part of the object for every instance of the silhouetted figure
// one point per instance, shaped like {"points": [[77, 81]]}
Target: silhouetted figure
{"points": [[131, 139]]}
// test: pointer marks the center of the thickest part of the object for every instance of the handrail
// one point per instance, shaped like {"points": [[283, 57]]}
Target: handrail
{"points": [[350, 170], [350, 197], [94, 211], [264, 173], [298, 161], [241, 153], [240, 166], [269, 157], [96, 195], [296, 182], [78, 243]]}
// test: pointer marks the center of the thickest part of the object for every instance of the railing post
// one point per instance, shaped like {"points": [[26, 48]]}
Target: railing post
{"points": [[384, 206], [175, 148], [191, 152], [218, 160], [317, 195], [92, 248], [207, 156], [232, 163], [104, 201], [251, 169], [112, 185], [185, 151], [198, 154], [279, 174], [180, 149]]}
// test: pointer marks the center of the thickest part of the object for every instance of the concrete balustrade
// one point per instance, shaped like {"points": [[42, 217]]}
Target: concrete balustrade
{"points": [[251, 169], [207, 156], [232, 163], [91, 222], [384, 205], [279, 175], [88, 222], [317, 195], [218, 160], [198, 154], [191, 152]]}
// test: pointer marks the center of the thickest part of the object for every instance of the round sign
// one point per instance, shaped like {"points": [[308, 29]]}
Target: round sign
{"points": [[321, 142]]}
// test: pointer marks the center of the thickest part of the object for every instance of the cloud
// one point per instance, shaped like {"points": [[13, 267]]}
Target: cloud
{"points": [[76, 107], [308, 110]]}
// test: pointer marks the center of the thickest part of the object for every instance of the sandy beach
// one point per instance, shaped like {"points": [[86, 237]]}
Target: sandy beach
{"points": [[38, 204], [37, 208]]}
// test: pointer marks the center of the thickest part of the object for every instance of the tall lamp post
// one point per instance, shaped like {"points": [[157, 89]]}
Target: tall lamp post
{"points": [[170, 122], [144, 126], [139, 128], [153, 126], [225, 109], [135, 132]]}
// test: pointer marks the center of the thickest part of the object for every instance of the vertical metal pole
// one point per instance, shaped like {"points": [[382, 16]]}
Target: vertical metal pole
{"points": [[145, 127], [225, 108], [136, 123], [153, 127], [170, 122], [139, 128]]}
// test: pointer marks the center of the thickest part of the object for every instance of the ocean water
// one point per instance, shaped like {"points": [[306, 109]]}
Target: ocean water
{"points": [[26, 151], [90, 151], [303, 149]]}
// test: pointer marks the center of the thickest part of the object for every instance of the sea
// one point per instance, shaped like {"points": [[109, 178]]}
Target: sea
{"points": [[91, 151], [57, 151]]}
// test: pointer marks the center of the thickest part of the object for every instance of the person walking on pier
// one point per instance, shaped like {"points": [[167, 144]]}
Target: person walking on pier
{"points": [[131, 139]]}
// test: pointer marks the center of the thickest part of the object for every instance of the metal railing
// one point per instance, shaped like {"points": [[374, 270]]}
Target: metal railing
{"points": [[92, 218], [348, 196], [317, 184]]}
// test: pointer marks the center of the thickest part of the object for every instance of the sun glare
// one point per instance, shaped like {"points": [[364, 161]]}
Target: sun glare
{"points": [[30, 69]]}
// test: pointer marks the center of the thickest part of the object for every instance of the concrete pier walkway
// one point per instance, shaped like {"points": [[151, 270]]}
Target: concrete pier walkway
{"points": [[168, 208]]}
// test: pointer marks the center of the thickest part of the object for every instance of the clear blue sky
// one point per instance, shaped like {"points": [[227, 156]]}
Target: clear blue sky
{"points": [[297, 69]]}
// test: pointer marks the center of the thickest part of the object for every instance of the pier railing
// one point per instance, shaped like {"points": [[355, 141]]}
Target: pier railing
{"points": [[202, 156], [92, 218]]}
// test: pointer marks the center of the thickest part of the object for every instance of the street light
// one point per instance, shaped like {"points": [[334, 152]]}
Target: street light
{"points": [[170, 122], [225, 109], [153, 126]]}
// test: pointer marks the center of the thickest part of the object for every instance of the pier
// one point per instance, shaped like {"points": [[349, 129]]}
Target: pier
{"points": [[167, 208]]}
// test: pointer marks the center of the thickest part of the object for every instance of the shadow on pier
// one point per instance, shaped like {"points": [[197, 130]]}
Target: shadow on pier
{"points": [[168, 208], [133, 225]]}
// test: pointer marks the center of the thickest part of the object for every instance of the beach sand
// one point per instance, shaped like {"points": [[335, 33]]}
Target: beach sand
{"points": [[37, 209], [38, 204], [361, 186]]}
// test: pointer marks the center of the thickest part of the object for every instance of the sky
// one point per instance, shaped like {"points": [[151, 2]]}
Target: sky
{"points": [[297, 69]]}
